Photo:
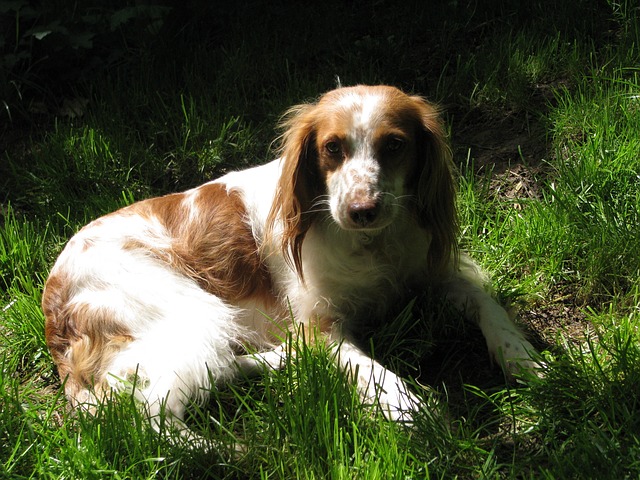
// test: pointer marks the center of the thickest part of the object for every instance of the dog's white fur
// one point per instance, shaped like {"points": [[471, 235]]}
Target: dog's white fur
{"points": [[177, 291]]}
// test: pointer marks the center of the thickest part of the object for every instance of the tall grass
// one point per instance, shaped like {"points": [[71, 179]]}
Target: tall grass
{"points": [[583, 233], [198, 101]]}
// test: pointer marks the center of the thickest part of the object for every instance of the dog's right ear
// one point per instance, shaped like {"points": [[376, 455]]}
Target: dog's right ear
{"points": [[300, 183]]}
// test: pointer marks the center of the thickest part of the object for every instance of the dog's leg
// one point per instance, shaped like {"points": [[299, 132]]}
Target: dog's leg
{"points": [[376, 384], [506, 343], [256, 363]]}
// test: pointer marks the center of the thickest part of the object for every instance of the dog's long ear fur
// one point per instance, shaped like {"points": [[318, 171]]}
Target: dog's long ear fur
{"points": [[299, 185], [436, 191]]}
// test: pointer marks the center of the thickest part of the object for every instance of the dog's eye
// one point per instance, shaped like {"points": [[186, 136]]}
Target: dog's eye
{"points": [[332, 147], [394, 144]]}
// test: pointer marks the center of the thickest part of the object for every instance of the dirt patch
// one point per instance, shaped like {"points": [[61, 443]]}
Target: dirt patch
{"points": [[495, 143], [553, 323], [508, 151]]}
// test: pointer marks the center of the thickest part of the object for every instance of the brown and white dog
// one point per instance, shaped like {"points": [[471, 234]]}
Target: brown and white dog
{"points": [[184, 290]]}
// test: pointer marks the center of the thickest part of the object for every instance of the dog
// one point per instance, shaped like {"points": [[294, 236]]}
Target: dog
{"points": [[179, 292]]}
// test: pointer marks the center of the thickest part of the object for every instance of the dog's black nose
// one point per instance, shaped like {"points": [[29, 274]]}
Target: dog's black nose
{"points": [[363, 214]]}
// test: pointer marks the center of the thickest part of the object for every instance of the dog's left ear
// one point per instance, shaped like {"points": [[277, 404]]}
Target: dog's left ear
{"points": [[435, 189]]}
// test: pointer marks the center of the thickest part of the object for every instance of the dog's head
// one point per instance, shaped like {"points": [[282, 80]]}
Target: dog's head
{"points": [[364, 156]]}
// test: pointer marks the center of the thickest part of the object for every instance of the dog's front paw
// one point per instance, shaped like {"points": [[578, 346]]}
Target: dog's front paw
{"points": [[397, 402], [514, 354], [256, 363]]}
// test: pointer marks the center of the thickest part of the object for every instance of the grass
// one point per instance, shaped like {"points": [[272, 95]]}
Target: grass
{"points": [[543, 105]]}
